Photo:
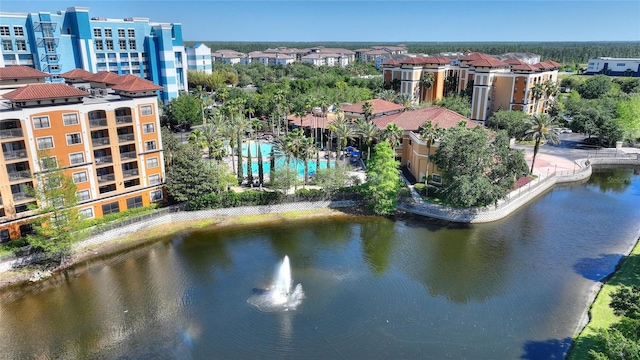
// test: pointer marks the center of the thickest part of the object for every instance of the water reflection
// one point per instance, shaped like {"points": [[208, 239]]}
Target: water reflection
{"points": [[377, 238], [612, 179]]}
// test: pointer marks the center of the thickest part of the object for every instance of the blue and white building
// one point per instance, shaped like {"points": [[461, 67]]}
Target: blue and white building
{"points": [[199, 58], [72, 39], [614, 66]]}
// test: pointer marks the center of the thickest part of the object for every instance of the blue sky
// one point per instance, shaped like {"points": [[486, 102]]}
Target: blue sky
{"points": [[376, 21]]}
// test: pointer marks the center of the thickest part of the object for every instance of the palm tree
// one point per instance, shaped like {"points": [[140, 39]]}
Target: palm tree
{"points": [[369, 132], [404, 100], [367, 110], [541, 128], [200, 94], [537, 92], [306, 151], [426, 82], [256, 126], [197, 138], [551, 90], [236, 128], [281, 149], [343, 129], [393, 134], [429, 133], [387, 95], [280, 99]]}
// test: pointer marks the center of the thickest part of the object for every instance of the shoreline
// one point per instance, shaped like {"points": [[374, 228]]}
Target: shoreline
{"points": [[21, 279]]}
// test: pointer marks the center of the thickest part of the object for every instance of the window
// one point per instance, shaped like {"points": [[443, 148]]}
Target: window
{"points": [[18, 31], [52, 57], [152, 162], [150, 145], [148, 128], [97, 33], [109, 44], [80, 177], [120, 32], [155, 195], [77, 158], [70, 119], [7, 45], [131, 32], [53, 182], [134, 202], [4, 236], [436, 179], [49, 163], [41, 122], [86, 213], [50, 45], [154, 179], [4, 31], [99, 45], [54, 68], [146, 110], [107, 33], [21, 45], [83, 195], [113, 207], [45, 143], [122, 44], [620, 64], [73, 139]]}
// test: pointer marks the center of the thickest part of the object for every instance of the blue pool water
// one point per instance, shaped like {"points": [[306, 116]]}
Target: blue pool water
{"points": [[295, 164], [264, 147]]}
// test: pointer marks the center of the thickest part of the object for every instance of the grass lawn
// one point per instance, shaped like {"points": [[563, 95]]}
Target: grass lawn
{"points": [[600, 314]]}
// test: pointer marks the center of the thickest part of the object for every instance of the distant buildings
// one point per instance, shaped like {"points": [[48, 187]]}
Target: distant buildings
{"points": [[59, 42], [102, 130], [199, 58], [614, 66], [492, 83]]}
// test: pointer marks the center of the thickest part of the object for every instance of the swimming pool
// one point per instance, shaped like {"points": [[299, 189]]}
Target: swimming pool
{"points": [[264, 147], [280, 163]]}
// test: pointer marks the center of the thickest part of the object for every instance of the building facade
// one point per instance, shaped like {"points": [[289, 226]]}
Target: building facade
{"points": [[59, 42], [614, 66], [107, 139], [199, 58], [493, 84]]}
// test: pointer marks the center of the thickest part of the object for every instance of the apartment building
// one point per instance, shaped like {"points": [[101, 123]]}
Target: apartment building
{"points": [[199, 58], [494, 84], [106, 138], [228, 56], [72, 39]]}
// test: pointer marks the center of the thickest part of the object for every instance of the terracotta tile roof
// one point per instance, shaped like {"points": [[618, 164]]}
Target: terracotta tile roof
{"points": [[525, 67], [413, 61], [391, 62], [44, 91], [514, 61], [488, 63], [437, 60], [412, 120], [309, 121], [556, 64], [21, 72], [77, 74], [547, 65], [104, 77], [379, 106], [476, 56], [136, 84], [124, 78]]}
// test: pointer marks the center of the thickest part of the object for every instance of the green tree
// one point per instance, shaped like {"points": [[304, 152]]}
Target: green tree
{"points": [[514, 122], [367, 110], [343, 129], [56, 229], [393, 134], [182, 111], [383, 181], [429, 133], [426, 82], [369, 133], [542, 128], [625, 301], [537, 92], [628, 117], [457, 103], [595, 87], [387, 95]]}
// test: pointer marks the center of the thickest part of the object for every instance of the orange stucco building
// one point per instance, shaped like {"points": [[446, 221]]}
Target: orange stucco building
{"points": [[105, 137], [494, 84]]}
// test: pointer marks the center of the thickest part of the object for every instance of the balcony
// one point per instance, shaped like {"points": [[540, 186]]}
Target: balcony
{"points": [[124, 119], [97, 122], [15, 154], [107, 188], [130, 173], [106, 178], [19, 196], [104, 160], [18, 175], [128, 155], [126, 138], [10, 133], [100, 141]]}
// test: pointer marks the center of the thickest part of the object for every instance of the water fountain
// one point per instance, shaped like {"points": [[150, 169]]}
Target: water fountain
{"points": [[281, 295]]}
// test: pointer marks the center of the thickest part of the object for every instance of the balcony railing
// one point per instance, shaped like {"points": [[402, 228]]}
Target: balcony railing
{"points": [[130, 173], [10, 133], [97, 122], [101, 160], [19, 196], [106, 178], [17, 175], [101, 141], [15, 154], [126, 137], [124, 119], [128, 155]]}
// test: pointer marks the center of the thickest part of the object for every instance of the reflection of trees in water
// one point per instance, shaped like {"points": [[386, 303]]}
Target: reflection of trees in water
{"points": [[608, 179], [460, 265], [377, 243]]}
